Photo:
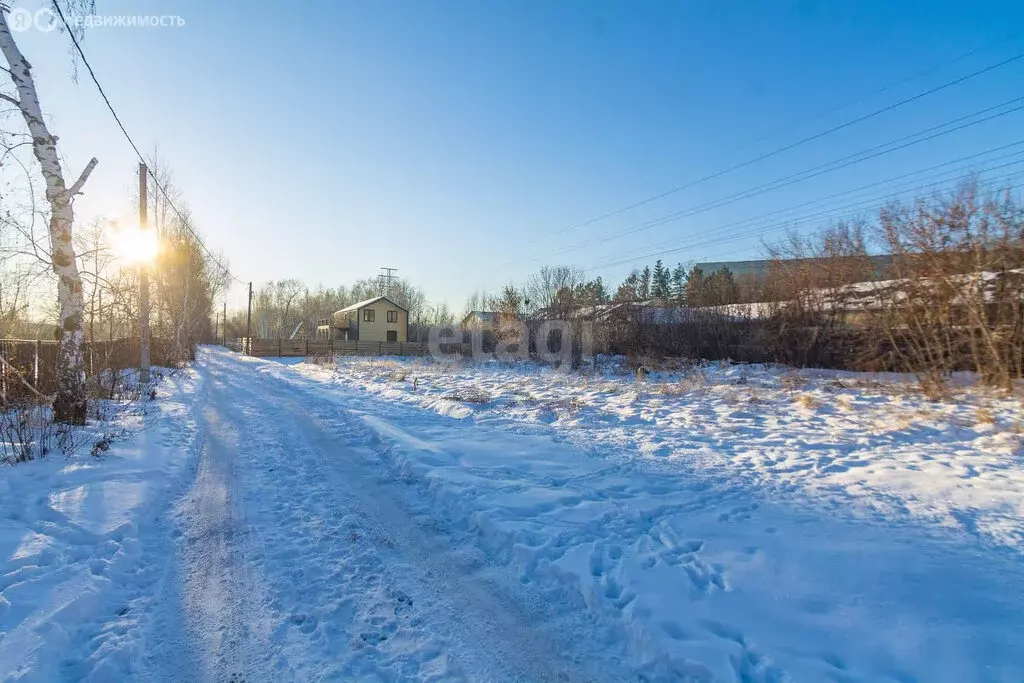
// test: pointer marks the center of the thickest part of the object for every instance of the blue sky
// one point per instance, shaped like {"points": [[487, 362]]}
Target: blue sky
{"points": [[451, 139]]}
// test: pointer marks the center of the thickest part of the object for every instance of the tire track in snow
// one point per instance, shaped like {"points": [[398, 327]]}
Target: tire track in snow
{"points": [[218, 594], [209, 625], [383, 592], [226, 630]]}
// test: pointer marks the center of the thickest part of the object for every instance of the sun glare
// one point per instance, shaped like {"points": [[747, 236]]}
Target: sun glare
{"points": [[136, 246]]}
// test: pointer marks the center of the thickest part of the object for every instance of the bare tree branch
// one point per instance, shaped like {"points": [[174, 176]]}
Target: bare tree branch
{"points": [[86, 172]]}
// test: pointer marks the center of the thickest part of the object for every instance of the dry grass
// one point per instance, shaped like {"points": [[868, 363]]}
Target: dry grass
{"points": [[733, 397], [569, 405], [834, 384], [673, 389], [934, 388], [523, 396], [697, 380], [323, 359], [807, 401], [901, 389], [985, 416], [468, 396], [792, 381]]}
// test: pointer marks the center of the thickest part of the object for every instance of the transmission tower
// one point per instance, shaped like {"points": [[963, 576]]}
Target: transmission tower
{"points": [[386, 279]]}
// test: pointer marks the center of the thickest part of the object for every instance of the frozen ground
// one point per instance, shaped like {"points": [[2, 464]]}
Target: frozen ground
{"points": [[842, 440], [83, 546], [393, 521]]}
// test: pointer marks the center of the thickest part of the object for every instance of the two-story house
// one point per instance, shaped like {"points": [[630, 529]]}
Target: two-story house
{"points": [[378, 320]]}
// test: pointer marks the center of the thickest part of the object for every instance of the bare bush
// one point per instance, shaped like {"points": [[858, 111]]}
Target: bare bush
{"points": [[957, 298], [323, 359], [27, 432], [808, 289]]}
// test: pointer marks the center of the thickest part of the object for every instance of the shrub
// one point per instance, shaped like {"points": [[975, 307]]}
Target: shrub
{"points": [[26, 432]]}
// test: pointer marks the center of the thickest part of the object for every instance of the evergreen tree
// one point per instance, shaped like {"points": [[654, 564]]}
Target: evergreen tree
{"points": [[644, 288], [696, 288], [721, 288], [679, 284], [629, 290], [592, 293], [661, 282], [509, 304]]}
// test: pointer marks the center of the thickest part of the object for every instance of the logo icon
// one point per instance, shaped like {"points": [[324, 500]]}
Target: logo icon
{"points": [[46, 20], [20, 19]]}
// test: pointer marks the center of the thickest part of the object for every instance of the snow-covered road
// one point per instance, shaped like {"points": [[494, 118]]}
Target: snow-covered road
{"points": [[319, 532], [302, 556]]}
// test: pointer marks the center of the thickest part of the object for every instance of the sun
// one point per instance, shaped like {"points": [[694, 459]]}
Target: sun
{"points": [[136, 246]]}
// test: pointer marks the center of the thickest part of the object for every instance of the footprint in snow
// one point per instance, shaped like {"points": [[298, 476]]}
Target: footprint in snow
{"points": [[403, 603]]}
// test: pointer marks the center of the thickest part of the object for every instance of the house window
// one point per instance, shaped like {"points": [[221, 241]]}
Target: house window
{"points": [[392, 335], [392, 316], [368, 316]]}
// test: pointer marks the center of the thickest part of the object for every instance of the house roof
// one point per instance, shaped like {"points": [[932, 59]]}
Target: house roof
{"points": [[363, 304], [652, 311], [485, 316], [880, 265]]}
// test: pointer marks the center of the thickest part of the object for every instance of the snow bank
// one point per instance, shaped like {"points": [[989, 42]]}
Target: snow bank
{"points": [[80, 545], [729, 523], [845, 439]]}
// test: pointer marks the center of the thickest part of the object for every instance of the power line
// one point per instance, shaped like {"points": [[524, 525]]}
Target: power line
{"points": [[879, 90], [846, 213], [887, 181], [113, 112], [852, 211], [835, 165], [831, 213], [989, 184], [792, 145]]}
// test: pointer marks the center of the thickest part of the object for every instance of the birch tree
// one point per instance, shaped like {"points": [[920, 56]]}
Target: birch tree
{"points": [[70, 402]]}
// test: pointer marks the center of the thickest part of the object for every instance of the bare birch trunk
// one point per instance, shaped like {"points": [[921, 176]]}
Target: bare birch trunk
{"points": [[70, 403]]}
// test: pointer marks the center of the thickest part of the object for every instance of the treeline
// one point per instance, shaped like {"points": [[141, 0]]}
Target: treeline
{"points": [[61, 277], [687, 287], [949, 297], [559, 289], [185, 281], [283, 308]]}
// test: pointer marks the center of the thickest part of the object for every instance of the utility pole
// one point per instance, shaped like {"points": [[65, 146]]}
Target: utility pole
{"points": [[248, 324], [143, 282], [225, 333]]}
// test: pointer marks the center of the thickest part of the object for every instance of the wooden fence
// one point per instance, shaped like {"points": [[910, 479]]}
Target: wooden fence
{"points": [[36, 362], [286, 348]]}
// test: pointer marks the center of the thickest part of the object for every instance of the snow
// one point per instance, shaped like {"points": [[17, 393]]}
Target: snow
{"points": [[81, 546], [407, 521], [870, 441]]}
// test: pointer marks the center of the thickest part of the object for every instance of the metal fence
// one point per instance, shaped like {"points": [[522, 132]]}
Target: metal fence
{"points": [[33, 363], [291, 348]]}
